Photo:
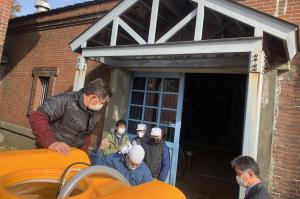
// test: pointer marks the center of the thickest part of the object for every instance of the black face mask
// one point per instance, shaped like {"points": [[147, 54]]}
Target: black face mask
{"points": [[154, 140]]}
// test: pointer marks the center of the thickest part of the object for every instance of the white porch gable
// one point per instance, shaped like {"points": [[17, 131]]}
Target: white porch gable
{"points": [[262, 23]]}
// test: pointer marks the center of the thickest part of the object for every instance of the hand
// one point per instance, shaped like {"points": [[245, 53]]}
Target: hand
{"points": [[125, 149], [134, 143], [60, 147], [104, 143]]}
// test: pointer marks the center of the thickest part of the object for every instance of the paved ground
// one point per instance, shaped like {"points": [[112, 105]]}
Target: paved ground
{"points": [[7, 148], [209, 177]]}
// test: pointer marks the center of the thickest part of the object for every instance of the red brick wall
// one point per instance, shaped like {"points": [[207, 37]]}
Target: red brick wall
{"points": [[42, 40], [285, 9], [35, 49], [285, 176], [286, 140], [5, 11]]}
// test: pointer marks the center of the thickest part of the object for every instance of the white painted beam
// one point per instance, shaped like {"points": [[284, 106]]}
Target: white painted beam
{"points": [[234, 62], [178, 27], [199, 21], [178, 48], [153, 21], [252, 116], [253, 103], [131, 32], [258, 32], [114, 32], [84, 45], [253, 106], [80, 73], [103, 22], [290, 45]]}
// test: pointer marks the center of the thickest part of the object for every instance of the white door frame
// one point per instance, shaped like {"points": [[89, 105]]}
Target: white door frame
{"points": [[253, 105]]}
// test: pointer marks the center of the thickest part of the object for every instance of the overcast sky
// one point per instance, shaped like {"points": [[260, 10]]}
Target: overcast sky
{"points": [[28, 5]]}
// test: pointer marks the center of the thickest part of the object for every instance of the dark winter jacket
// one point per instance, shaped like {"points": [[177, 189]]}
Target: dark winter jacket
{"points": [[68, 118], [157, 157], [258, 191], [137, 140]]}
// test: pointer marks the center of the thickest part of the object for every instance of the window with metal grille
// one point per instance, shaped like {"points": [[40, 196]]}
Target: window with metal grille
{"points": [[42, 86], [153, 102], [44, 89]]}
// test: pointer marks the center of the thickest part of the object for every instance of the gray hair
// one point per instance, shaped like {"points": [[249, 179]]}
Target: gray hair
{"points": [[98, 87], [246, 163]]}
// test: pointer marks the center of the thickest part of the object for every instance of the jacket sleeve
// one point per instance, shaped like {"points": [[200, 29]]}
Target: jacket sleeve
{"points": [[165, 165], [39, 123], [127, 141], [103, 160], [110, 148], [54, 107], [111, 159], [87, 141]]}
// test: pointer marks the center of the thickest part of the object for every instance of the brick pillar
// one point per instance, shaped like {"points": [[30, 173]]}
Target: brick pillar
{"points": [[5, 12]]}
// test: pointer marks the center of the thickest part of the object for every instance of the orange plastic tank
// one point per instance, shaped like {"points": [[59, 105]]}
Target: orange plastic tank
{"points": [[36, 173]]}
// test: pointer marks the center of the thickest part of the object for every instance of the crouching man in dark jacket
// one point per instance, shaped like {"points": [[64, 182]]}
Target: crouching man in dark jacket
{"points": [[67, 120], [247, 172], [130, 165]]}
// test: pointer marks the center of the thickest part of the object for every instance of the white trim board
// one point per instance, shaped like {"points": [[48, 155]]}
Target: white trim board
{"points": [[179, 48]]}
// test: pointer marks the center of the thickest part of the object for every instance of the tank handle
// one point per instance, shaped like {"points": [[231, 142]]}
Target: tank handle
{"points": [[69, 187]]}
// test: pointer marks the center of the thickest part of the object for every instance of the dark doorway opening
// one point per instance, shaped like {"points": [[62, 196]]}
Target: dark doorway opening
{"points": [[211, 135]]}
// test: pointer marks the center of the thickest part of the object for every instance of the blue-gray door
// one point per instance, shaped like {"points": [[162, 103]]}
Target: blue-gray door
{"points": [[156, 100]]}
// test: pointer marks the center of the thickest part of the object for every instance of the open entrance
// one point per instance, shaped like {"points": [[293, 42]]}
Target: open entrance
{"points": [[211, 135]]}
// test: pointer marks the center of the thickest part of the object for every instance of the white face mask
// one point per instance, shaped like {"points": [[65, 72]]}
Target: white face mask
{"points": [[240, 181], [141, 134], [131, 168], [97, 107], [121, 131]]}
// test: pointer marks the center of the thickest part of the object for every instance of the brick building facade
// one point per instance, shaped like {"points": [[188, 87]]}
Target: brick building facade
{"points": [[42, 41], [5, 10]]}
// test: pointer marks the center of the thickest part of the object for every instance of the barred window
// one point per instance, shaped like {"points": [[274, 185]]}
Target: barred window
{"points": [[44, 81], [42, 87]]}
